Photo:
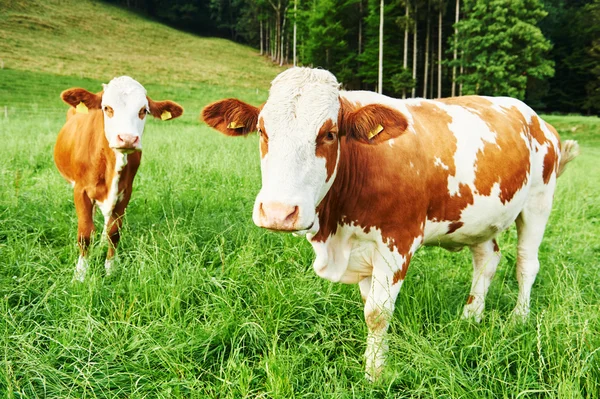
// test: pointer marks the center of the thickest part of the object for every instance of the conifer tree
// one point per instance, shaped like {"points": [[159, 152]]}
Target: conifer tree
{"points": [[502, 46]]}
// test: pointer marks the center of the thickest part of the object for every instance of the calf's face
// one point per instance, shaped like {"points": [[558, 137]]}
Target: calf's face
{"points": [[124, 105], [300, 127]]}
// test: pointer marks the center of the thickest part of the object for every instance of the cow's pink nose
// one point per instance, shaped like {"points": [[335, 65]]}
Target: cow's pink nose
{"points": [[278, 216], [127, 141]]}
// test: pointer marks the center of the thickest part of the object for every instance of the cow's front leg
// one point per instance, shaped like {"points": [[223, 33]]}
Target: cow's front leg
{"points": [[389, 269], [364, 286], [85, 228]]}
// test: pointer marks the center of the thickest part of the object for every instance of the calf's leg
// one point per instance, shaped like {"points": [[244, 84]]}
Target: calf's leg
{"points": [[113, 232], [85, 228]]}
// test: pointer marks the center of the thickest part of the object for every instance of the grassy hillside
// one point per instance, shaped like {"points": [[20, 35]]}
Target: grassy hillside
{"points": [[47, 46], [205, 304], [95, 40]]}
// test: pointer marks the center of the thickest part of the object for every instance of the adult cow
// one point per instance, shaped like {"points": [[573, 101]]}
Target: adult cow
{"points": [[370, 179], [98, 150]]}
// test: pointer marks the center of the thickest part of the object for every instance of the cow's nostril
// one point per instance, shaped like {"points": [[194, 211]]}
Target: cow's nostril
{"points": [[261, 211], [291, 218]]}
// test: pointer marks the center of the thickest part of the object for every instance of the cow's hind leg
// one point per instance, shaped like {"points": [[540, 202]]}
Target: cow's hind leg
{"points": [[486, 257], [531, 224]]}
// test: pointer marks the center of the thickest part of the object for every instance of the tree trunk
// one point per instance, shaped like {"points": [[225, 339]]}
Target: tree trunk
{"points": [[414, 67], [273, 42], [380, 72], [426, 69], [432, 69], [278, 38], [405, 58], [268, 38], [360, 17], [295, 17], [439, 60], [281, 58], [460, 85], [455, 50], [261, 37], [278, 45], [440, 52]]}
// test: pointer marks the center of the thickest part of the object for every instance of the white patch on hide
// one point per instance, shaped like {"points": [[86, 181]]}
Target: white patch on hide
{"points": [[108, 205]]}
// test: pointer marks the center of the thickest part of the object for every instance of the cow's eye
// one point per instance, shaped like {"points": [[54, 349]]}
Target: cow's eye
{"points": [[108, 111], [331, 136], [143, 112], [263, 135]]}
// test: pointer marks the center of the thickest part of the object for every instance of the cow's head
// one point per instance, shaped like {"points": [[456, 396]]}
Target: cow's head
{"points": [[300, 127], [125, 105]]}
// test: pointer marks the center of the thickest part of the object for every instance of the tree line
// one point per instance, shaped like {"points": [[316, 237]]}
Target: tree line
{"points": [[546, 52]]}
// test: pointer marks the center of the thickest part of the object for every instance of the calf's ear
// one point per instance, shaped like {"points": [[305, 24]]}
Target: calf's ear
{"points": [[231, 117], [75, 96], [374, 123], [164, 110]]}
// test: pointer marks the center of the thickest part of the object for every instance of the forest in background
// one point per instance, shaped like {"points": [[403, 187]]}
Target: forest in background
{"points": [[546, 52]]}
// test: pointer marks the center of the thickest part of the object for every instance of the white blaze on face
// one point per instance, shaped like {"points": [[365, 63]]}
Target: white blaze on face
{"points": [[301, 101], [125, 107]]}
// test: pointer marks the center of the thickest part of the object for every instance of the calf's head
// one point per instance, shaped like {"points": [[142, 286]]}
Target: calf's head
{"points": [[125, 105], [300, 128]]}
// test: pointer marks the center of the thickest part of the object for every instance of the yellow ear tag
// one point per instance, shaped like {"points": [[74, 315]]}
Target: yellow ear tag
{"points": [[235, 125], [81, 108], [375, 131], [165, 115]]}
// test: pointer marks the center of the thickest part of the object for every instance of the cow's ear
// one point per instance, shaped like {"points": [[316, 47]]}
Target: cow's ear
{"points": [[374, 123], [164, 110], [231, 117], [76, 96]]}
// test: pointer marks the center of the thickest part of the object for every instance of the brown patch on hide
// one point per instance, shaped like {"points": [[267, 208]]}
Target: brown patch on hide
{"points": [[507, 161], [327, 146]]}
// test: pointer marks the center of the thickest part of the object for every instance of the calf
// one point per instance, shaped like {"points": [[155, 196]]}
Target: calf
{"points": [[99, 151], [370, 179]]}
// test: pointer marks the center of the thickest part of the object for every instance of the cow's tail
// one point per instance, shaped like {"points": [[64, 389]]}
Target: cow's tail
{"points": [[568, 152]]}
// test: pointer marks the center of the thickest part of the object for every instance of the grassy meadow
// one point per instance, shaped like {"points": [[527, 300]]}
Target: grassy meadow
{"points": [[204, 303]]}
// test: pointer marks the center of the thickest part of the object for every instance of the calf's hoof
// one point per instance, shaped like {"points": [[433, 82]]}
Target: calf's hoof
{"points": [[80, 270]]}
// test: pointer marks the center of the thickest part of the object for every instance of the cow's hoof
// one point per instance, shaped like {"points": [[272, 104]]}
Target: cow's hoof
{"points": [[109, 267], [472, 313], [520, 313], [80, 270]]}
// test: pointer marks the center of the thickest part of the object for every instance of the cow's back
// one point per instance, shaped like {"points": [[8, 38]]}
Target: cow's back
{"points": [[473, 160], [490, 157]]}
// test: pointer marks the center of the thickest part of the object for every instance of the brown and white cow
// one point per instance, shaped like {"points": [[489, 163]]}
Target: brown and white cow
{"points": [[99, 151], [370, 179]]}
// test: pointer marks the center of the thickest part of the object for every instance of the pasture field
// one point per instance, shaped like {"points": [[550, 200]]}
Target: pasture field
{"points": [[204, 303]]}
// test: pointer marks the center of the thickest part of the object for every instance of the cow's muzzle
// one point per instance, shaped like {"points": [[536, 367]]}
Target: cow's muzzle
{"points": [[127, 143], [278, 216]]}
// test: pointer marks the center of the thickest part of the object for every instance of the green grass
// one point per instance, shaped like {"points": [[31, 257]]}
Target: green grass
{"points": [[205, 304]]}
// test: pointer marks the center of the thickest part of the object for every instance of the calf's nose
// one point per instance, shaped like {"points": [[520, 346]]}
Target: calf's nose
{"points": [[278, 216], [128, 141]]}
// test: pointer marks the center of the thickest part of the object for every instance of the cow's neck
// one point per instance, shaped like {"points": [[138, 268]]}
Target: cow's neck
{"points": [[377, 187], [343, 199]]}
